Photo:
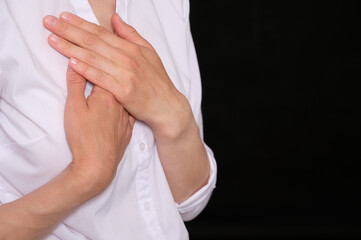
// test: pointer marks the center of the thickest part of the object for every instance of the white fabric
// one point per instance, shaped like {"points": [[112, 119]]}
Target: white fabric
{"points": [[33, 149]]}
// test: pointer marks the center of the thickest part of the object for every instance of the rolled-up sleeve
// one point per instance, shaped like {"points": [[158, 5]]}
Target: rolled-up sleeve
{"points": [[191, 207]]}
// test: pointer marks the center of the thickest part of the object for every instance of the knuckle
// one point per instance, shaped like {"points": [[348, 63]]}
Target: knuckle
{"points": [[89, 38], [63, 27], [66, 45], [74, 78], [150, 46], [131, 29], [79, 21], [130, 77], [99, 76], [99, 30], [135, 50], [116, 56], [84, 70], [132, 62], [90, 57], [128, 88]]}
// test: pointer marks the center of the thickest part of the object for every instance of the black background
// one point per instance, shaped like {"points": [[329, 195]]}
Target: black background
{"points": [[281, 82]]}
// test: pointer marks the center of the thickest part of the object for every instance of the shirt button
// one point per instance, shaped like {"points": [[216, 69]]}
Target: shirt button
{"points": [[142, 146], [147, 206]]}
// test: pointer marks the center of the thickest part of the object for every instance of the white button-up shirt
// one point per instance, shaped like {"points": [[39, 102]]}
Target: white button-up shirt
{"points": [[33, 148]]}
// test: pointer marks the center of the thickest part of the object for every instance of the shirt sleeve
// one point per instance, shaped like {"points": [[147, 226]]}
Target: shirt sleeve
{"points": [[191, 207]]}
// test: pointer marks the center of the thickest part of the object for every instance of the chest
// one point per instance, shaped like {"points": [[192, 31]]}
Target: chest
{"points": [[31, 69]]}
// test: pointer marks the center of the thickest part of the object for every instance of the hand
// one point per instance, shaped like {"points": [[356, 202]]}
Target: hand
{"points": [[125, 65], [98, 130]]}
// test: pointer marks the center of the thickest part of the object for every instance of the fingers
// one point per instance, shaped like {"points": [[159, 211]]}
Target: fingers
{"points": [[94, 75], [127, 32], [78, 36], [99, 31], [89, 56], [76, 86], [85, 34]]}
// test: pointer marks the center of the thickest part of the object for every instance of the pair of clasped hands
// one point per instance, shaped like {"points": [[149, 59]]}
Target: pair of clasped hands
{"points": [[130, 83]]}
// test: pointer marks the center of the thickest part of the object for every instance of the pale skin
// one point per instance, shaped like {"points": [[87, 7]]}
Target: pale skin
{"points": [[130, 83]]}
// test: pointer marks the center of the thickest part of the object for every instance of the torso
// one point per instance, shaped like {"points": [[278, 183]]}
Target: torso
{"points": [[33, 147]]}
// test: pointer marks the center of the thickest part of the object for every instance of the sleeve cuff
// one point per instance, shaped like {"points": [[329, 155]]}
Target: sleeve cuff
{"points": [[194, 205]]}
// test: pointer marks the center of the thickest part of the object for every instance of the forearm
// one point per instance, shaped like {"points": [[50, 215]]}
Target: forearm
{"points": [[185, 162], [36, 214]]}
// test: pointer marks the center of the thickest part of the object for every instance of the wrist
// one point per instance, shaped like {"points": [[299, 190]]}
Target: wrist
{"points": [[174, 131], [85, 182], [176, 124]]}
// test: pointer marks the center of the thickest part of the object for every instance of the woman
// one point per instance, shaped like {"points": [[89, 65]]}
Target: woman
{"points": [[135, 165]]}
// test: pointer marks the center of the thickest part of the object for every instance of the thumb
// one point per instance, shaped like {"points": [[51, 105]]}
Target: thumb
{"points": [[128, 32], [76, 87]]}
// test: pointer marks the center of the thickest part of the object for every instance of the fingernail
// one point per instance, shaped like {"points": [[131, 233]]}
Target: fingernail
{"points": [[74, 61], [51, 20], [54, 38], [66, 16]]}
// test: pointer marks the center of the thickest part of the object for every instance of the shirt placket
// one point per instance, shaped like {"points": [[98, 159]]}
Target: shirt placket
{"points": [[145, 145]]}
